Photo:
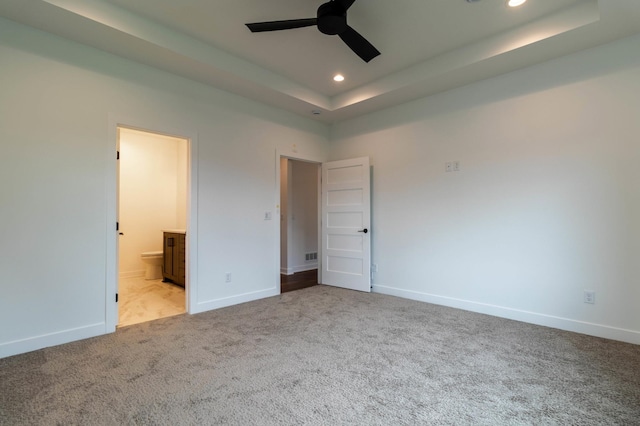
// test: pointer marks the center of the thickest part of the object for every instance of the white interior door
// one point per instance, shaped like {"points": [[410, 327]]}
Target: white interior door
{"points": [[346, 211]]}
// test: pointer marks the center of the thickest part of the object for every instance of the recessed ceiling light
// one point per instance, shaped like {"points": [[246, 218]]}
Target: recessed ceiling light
{"points": [[338, 77], [515, 3]]}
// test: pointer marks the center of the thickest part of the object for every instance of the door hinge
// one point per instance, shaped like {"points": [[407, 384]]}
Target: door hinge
{"points": [[116, 297], [117, 155], [117, 226]]}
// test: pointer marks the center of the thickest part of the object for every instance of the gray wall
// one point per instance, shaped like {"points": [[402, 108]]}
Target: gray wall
{"points": [[546, 203], [57, 184]]}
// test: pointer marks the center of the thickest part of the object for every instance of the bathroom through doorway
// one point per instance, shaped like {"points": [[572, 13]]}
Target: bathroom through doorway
{"points": [[152, 188]]}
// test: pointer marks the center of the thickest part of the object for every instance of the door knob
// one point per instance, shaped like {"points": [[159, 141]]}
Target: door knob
{"points": [[365, 230]]}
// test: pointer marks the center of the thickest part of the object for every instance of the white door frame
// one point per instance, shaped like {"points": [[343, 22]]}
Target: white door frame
{"points": [[164, 126], [309, 159]]}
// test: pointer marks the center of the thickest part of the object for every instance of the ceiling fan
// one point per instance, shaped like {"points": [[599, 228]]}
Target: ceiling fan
{"points": [[331, 20]]}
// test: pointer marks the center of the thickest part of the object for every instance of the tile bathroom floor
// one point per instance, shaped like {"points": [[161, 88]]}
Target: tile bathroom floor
{"points": [[143, 300]]}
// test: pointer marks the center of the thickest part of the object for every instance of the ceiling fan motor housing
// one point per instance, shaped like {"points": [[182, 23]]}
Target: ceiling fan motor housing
{"points": [[332, 18]]}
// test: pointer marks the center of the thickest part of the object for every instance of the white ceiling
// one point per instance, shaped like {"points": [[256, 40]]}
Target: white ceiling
{"points": [[427, 46]]}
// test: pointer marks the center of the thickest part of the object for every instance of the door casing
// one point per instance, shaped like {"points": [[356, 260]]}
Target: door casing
{"points": [[158, 125], [298, 157]]}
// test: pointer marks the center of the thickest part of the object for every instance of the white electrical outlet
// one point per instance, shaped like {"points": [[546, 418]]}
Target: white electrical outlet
{"points": [[227, 277], [456, 166], [589, 297], [374, 267], [267, 215], [448, 167]]}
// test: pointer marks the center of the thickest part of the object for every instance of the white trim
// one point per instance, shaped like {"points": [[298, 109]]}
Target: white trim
{"points": [[300, 157], [303, 268], [52, 339], [299, 268], [567, 324], [235, 300], [131, 274], [111, 258], [191, 270], [166, 126]]}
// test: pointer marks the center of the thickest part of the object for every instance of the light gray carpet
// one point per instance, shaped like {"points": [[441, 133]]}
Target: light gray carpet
{"points": [[327, 356]]}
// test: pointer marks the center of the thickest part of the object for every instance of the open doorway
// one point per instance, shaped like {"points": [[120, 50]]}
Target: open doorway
{"points": [[299, 186], [343, 238], [152, 203]]}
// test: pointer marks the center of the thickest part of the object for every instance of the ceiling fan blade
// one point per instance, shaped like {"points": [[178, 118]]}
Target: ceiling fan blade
{"points": [[359, 44], [259, 27], [345, 4]]}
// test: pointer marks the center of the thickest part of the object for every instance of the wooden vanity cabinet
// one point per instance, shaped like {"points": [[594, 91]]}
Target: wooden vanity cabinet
{"points": [[174, 254]]}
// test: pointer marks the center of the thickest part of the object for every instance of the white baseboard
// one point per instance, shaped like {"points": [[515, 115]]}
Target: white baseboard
{"points": [[300, 268], [567, 324], [131, 274], [305, 267], [52, 339], [234, 300]]}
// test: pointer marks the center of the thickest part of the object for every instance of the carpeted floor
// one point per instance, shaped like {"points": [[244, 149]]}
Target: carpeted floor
{"points": [[327, 356]]}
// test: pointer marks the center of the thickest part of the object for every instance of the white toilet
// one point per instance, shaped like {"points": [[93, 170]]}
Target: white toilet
{"points": [[153, 264]]}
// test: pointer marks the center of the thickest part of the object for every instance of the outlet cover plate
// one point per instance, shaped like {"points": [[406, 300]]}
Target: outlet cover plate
{"points": [[589, 297]]}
